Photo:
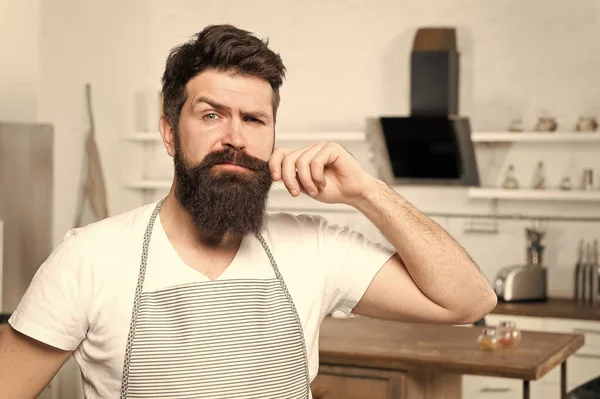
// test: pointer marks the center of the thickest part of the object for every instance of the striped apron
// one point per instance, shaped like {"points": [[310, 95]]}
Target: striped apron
{"points": [[215, 339]]}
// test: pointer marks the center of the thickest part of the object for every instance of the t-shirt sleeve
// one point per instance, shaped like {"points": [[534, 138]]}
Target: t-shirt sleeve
{"points": [[53, 308], [350, 261]]}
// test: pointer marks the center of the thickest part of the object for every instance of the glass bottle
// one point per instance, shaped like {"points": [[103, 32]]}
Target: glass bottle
{"points": [[510, 181], [488, 339], [565, 183], [539, 177], [508, 334], [516, 125]]}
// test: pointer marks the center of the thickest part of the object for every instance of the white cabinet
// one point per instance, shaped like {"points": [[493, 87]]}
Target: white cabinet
{"points": [[523, 322], [590, 330], [581, 367], [477, 387]]}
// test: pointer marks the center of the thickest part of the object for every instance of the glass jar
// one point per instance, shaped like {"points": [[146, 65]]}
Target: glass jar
{"points": [[510, 180], [508, 334], [488, 339]]}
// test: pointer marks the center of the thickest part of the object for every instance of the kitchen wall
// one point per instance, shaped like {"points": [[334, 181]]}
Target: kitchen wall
{"points": [[347, 60], [20, 66]]}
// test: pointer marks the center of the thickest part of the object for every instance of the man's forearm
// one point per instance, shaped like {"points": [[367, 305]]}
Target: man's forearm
{"points": [[439, 266]]}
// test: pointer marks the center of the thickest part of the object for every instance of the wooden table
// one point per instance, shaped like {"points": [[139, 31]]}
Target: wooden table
{"points": [[427, 361]]}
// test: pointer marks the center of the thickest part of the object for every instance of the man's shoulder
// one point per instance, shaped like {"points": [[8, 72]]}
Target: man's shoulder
{"points": [[114, 228]]}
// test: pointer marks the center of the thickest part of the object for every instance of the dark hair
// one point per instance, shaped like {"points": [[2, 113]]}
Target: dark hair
{"points": [[224, 48]]}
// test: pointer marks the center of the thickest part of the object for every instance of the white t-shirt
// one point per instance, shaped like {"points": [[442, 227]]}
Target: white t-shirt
{"points": [[81, 298]]}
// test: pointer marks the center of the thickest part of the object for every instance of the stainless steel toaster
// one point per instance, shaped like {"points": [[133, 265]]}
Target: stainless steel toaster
{"points": [[521, 283]]}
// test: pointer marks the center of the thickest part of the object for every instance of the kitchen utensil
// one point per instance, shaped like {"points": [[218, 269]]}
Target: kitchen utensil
{"points": [[525, 282], [577, 295], [585, 274], [594, 274], [535, 249], [522, 283], [587, 182]]}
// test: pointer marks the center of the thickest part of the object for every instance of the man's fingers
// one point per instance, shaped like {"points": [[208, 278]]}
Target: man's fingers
{"points": [[304, 165], [298, 169], [276, 160], [288, 172]]}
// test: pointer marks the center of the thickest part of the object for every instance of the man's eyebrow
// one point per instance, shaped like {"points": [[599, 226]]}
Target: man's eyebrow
{"points": [[212, 103], [258, 114]]}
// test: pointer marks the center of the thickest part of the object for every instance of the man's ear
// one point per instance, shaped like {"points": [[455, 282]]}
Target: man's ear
{"points": [[168, 135]]}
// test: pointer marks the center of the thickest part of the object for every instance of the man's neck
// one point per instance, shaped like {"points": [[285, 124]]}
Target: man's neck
{"points": [[179, 226]]}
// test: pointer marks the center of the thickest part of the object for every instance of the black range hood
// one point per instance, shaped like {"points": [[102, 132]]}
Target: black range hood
{"points": [[433, 145]]}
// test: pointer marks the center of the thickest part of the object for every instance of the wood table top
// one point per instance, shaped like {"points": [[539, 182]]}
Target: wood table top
{"points": [[374, 343], [553, 307]]}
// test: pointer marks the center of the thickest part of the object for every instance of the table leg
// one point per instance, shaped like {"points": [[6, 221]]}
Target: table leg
{"points": [[563, 380], [525, 389]]}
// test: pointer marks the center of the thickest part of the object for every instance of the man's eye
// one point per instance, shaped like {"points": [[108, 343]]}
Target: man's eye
{"points": [[211, 117], [253, 120]]}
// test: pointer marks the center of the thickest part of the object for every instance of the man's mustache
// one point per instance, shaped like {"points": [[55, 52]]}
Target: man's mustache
{"points": [[234, 157]]}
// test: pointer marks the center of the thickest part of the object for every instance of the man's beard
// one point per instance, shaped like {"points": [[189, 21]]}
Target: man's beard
{"points": [[223, 201]]}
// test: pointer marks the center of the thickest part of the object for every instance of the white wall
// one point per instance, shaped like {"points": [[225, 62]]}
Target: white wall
{"points": [[103, 43], [347, 60], [20, 66]]}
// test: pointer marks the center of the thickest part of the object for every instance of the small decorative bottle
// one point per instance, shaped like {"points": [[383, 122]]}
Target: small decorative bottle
{"points": [[508, 334], [488, 339], [516, 125], [539, 177], [510, 181], [565, 183]]}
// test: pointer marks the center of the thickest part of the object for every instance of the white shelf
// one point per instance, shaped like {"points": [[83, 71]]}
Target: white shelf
{"points": [[149, 184], [349, 136], [345, 136], [536, 195], [550, 137], [143, 136]]}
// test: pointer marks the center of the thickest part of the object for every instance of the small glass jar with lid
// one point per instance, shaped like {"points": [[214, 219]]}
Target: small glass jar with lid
{"points": [[488, 339], [508, 334]]}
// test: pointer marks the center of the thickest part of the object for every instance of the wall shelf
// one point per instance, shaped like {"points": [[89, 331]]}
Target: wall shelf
{"points": [[149, 184], [535, 195], [143, 137], [345, 136], [538, 137]]}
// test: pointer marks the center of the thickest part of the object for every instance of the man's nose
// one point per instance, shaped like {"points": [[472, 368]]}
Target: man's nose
{"points": [[234, 134]]}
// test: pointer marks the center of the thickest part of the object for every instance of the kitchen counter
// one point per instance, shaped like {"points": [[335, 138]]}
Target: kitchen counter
{"points": [[432, 358], [553, 307]]}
